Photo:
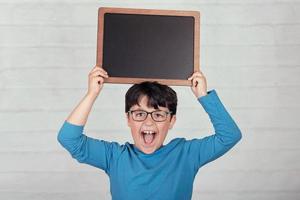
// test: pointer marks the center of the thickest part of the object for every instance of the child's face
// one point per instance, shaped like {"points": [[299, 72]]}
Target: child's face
{"points": [[149, 135]]}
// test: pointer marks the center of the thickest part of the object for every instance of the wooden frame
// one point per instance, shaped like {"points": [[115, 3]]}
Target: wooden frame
{"points": [[103, 10]]}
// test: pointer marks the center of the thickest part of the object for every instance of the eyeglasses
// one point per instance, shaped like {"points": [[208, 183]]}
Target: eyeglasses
{"points": [[141, 115]]}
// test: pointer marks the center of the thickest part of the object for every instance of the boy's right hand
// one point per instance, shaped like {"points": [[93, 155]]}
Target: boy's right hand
{"points": [[96, 80]]}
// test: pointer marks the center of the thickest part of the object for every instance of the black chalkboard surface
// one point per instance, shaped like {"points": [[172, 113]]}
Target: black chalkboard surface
{"points": [[135, 45]]}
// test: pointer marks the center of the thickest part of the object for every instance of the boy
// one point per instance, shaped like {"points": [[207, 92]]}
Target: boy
{"points": [[148, 169]]}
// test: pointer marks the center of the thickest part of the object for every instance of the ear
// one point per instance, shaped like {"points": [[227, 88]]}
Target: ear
{"points": [[172, 122]]}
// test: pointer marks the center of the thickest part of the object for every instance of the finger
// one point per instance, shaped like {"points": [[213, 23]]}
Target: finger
{"points": [[191, 77], [99, 73], [194, 83], [195, 76], [102, 75], [199, 79], [197, 73], [101, 69], [99, 80], [97, 68]]}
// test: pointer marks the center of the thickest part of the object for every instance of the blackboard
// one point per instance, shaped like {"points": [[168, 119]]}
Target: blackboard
{"points": [[135, 45]]}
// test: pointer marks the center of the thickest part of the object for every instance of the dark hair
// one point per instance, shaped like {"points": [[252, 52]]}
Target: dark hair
{"points": [[158, 95]]}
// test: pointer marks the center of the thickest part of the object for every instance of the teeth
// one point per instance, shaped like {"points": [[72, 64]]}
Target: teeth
{"points": [[148, 132]]}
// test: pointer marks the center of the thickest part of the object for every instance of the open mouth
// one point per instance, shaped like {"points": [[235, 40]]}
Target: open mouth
{"points": [[148, 136]]}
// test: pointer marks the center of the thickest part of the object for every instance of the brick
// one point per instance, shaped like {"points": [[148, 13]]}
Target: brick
{"points": [[73, 36], [42, 13], [50, 56], [236, 35], [278, 195], [250, 55], [287, 34], [5, 14], [236, 159], [78, 182], [248, 14], [20, 36], [247, 181], [73, 195], [240, 78]]}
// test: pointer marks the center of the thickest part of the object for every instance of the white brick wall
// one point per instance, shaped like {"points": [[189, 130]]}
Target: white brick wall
{"points": [[249, 53]]}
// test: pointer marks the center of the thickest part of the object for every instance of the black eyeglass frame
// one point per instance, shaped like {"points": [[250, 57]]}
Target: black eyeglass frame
{"points": [[151, 114]]}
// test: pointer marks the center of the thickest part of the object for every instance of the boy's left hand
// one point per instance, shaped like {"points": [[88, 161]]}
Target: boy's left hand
{"points": [[199, 86]]}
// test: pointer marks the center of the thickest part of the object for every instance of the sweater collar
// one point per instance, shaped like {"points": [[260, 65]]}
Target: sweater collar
{"points": [[163, 149]]}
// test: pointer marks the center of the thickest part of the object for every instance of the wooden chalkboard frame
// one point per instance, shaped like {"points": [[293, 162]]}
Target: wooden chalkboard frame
{"points": [[103, 10]]}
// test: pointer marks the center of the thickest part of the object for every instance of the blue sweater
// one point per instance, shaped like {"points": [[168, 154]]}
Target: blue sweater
{"points": [[166, 174]]}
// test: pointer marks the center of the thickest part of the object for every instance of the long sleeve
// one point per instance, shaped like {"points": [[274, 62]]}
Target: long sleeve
{"points": [[227, 133], [84, 149]]}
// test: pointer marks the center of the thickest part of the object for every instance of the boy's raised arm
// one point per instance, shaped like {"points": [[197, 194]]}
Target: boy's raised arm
{"points": [[96, 80], [83, 148], [227, 133]]}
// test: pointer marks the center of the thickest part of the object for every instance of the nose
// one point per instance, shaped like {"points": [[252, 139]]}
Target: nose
{"points": [[149, 120]]}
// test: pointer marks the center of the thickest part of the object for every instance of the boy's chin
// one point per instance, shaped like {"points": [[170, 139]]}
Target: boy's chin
{"points": [[148, 150]]}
